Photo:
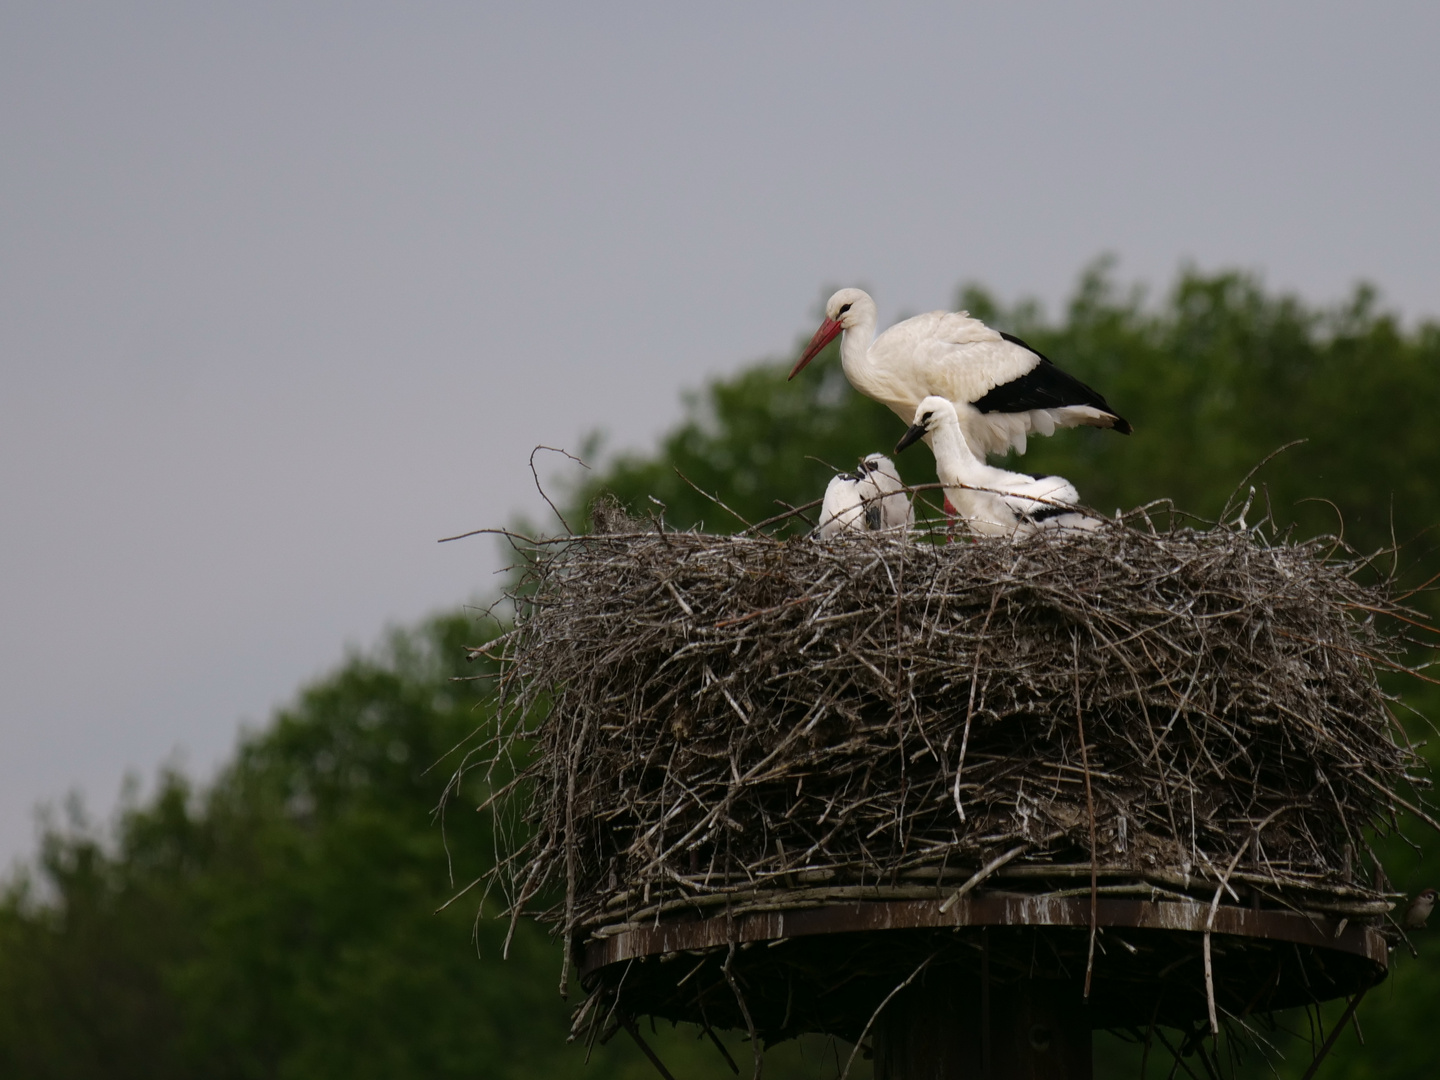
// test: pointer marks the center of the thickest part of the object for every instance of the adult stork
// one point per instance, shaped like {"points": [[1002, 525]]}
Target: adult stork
{"points": [[870, 499], [994, 502], [1013, 390]]}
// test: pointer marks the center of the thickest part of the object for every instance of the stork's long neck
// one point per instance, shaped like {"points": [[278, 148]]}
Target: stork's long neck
{"points": [[955, 462], [855, 351]]}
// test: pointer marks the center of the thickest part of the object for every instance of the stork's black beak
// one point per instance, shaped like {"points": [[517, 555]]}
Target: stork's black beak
{"points": [[914, 435]]}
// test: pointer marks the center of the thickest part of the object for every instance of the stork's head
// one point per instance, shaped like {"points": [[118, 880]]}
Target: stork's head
{"points": [[845, 309], [878, 463], [931, 413]]}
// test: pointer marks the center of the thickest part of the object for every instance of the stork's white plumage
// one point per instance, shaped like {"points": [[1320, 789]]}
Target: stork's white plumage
{"points": [[1015, 391], [871, 499], [994, 502]]}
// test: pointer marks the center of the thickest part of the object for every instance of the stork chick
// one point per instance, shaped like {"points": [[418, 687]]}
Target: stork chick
{"points": [[871, 499], [994, 502]]}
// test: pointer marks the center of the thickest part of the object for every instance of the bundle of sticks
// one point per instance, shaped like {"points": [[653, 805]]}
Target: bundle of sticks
{"points": [[694, 722]]}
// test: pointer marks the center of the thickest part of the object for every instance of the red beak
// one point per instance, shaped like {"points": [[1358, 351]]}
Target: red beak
{"points": [[826, 334]]}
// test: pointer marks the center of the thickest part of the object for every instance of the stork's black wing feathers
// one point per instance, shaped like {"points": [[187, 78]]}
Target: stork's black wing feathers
{"points": [[1045, 512], [1045, 386]]}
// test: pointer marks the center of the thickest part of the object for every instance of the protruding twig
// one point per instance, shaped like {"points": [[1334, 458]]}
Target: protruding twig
{"points": [[540, 488], [878, 1010], [1334, 1034], [1094, 844], [628, 1023], [984, 872], [970, 705]]}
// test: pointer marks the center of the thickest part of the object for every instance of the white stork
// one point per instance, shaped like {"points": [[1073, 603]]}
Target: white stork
{"points": [[870, 499], [994, 502], [1014, 390]]}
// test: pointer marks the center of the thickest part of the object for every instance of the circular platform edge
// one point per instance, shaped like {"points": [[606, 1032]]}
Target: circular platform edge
{"points": [[1318, 931]]}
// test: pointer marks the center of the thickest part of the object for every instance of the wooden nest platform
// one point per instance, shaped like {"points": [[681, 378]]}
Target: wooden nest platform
{"points": [[767, 784]]}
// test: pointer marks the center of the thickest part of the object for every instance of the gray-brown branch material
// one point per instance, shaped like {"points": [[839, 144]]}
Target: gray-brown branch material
{"points": [[709, 723]]}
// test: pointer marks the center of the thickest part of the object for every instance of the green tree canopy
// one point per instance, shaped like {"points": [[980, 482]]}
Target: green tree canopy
{"points": [[280, 921]]}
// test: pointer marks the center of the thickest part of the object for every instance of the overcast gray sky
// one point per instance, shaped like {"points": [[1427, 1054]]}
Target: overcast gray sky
{"points": [[289, 291]]}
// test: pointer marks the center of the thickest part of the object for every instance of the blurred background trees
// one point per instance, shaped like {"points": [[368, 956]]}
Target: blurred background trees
{"points": [[281, 922]]}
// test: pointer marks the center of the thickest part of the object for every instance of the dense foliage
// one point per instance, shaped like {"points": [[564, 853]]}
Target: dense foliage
{"points": [[278, 924], [281, 921]]}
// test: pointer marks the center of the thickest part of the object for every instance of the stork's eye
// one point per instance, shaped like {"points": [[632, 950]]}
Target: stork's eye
{"points": [[844, 309], [927, 417]]}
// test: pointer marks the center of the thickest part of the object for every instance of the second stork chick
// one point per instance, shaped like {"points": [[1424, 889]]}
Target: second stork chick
{"points": [[870, 499], [993, 502]]}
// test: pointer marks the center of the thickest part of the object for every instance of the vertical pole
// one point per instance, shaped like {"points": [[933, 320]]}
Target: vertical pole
{"points": [[985, 1022], [934, 1030]]}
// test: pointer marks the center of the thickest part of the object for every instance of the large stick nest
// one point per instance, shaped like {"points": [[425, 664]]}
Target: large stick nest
{"points": [[703, 723]]}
